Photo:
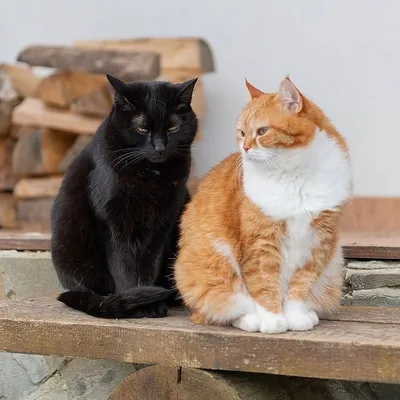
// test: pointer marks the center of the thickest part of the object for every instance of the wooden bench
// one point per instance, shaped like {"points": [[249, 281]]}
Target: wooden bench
{"points": [[201, 362]]}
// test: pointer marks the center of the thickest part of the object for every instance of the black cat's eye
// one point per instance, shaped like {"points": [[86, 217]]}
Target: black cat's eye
{"points": [[142, 130], [174, 128], [262, 131]]}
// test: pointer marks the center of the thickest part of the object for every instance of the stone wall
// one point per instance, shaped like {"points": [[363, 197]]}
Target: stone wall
{"points": [[33, 377], [372, 283]]}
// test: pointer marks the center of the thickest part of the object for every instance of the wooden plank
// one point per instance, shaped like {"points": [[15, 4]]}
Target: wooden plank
{"points": [[378, 315], [33, 112], [131, 65], [177, 54], [350, 350], [371, 246], [33, 188], [16, 240]]}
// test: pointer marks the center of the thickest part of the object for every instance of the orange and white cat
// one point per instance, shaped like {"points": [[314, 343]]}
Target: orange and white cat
{"points": [[259, 245]]}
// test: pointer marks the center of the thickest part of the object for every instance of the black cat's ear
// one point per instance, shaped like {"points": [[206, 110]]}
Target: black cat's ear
{"points": [[119, 89], [186, 91], [117, 85]]}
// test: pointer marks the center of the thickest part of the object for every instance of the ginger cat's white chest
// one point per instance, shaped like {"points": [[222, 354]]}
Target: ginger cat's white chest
{"points": [[305, 182], [310, 180]]}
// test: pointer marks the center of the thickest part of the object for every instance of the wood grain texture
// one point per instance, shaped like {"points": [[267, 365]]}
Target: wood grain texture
{"points": [[34, 113], [131, 65], [371, 246], [363, 351], [17, 240], [62, 88], [40, 152], [33, 188], [184, 54], [8, 214], [372, 214], [23, 80], [161, 382]]}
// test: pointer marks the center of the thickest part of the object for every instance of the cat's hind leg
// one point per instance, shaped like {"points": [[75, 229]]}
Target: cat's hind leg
{"points": [[210, 283]]}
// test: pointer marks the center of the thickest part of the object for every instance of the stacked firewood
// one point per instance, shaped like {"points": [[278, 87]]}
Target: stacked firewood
{"points": [[46, 121]]}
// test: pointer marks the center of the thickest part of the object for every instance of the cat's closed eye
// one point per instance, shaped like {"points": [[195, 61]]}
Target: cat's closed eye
{"points": [[173, 128], [142, 130]]}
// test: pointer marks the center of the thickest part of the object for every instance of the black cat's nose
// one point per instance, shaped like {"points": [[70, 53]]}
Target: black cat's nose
{"points": [[159, 144], [159, 147]]}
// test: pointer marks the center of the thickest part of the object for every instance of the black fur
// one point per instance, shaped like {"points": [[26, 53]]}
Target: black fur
{"points": [[115, 220]]}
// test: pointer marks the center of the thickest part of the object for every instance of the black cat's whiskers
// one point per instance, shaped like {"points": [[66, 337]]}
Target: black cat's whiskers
{"points": [[132, 161], [128, 155]]}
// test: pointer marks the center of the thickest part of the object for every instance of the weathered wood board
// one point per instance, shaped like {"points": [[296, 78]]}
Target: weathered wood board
{"points": [[132, 65], [345, 349]]}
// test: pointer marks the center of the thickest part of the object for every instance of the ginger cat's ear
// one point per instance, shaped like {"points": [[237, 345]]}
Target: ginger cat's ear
{"points": [[290, 97], [254, 92]]}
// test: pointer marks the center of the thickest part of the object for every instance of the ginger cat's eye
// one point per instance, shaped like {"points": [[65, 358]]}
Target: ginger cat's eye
{"points": [[142, 130], [173, 128], [262, 131], [242, 133]]}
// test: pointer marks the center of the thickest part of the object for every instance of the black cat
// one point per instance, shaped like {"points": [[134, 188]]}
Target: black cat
{"points": [[115, 220]]}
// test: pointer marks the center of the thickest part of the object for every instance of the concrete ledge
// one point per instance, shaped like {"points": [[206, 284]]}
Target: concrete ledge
{"points": [[25, 274]]}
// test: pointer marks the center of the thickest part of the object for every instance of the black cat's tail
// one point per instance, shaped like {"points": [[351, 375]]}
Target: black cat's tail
{"points": [[138, 302]]}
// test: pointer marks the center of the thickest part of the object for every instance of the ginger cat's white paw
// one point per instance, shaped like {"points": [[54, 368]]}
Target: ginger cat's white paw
{"points": [[273, 323], [299, 318], [248, 323]]}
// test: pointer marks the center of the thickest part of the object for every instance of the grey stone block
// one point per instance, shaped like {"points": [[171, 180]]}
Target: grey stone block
{"points": [[372, 264], [371, 279], [83, 379], [25, 274], [385, 297]]}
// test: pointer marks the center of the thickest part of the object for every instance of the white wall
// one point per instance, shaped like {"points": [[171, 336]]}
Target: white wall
{"points": [[344, 55]]}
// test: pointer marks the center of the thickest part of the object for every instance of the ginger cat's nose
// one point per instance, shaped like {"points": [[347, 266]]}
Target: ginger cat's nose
{"points": [[246, 148]]}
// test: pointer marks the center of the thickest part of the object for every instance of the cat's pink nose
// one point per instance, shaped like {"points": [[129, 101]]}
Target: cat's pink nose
{"points": [[246, 148]]}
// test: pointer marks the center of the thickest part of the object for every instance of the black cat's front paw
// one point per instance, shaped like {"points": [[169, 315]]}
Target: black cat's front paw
{"points": [[156, 310]]}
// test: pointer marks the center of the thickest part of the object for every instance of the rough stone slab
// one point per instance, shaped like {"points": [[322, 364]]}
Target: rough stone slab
{"points": [[384, 297], [27, 274], [83, 379], [372, 264], [21, 374], [371, 279]]}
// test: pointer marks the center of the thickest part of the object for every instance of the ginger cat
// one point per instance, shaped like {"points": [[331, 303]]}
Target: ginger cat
{"points": [[259, 246]]}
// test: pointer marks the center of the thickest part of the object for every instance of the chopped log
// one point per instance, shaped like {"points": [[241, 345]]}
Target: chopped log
{"points": [[33, 188], [35, 212], [97, 103], [196, 384], [40, 152], [6, 110], [23, 80], [9, 98], [8, 215], [7, 178], [192, 55], [7, 92], [132, 65], [17, 131], [62, 88], [80, 143], [33, 112]]}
